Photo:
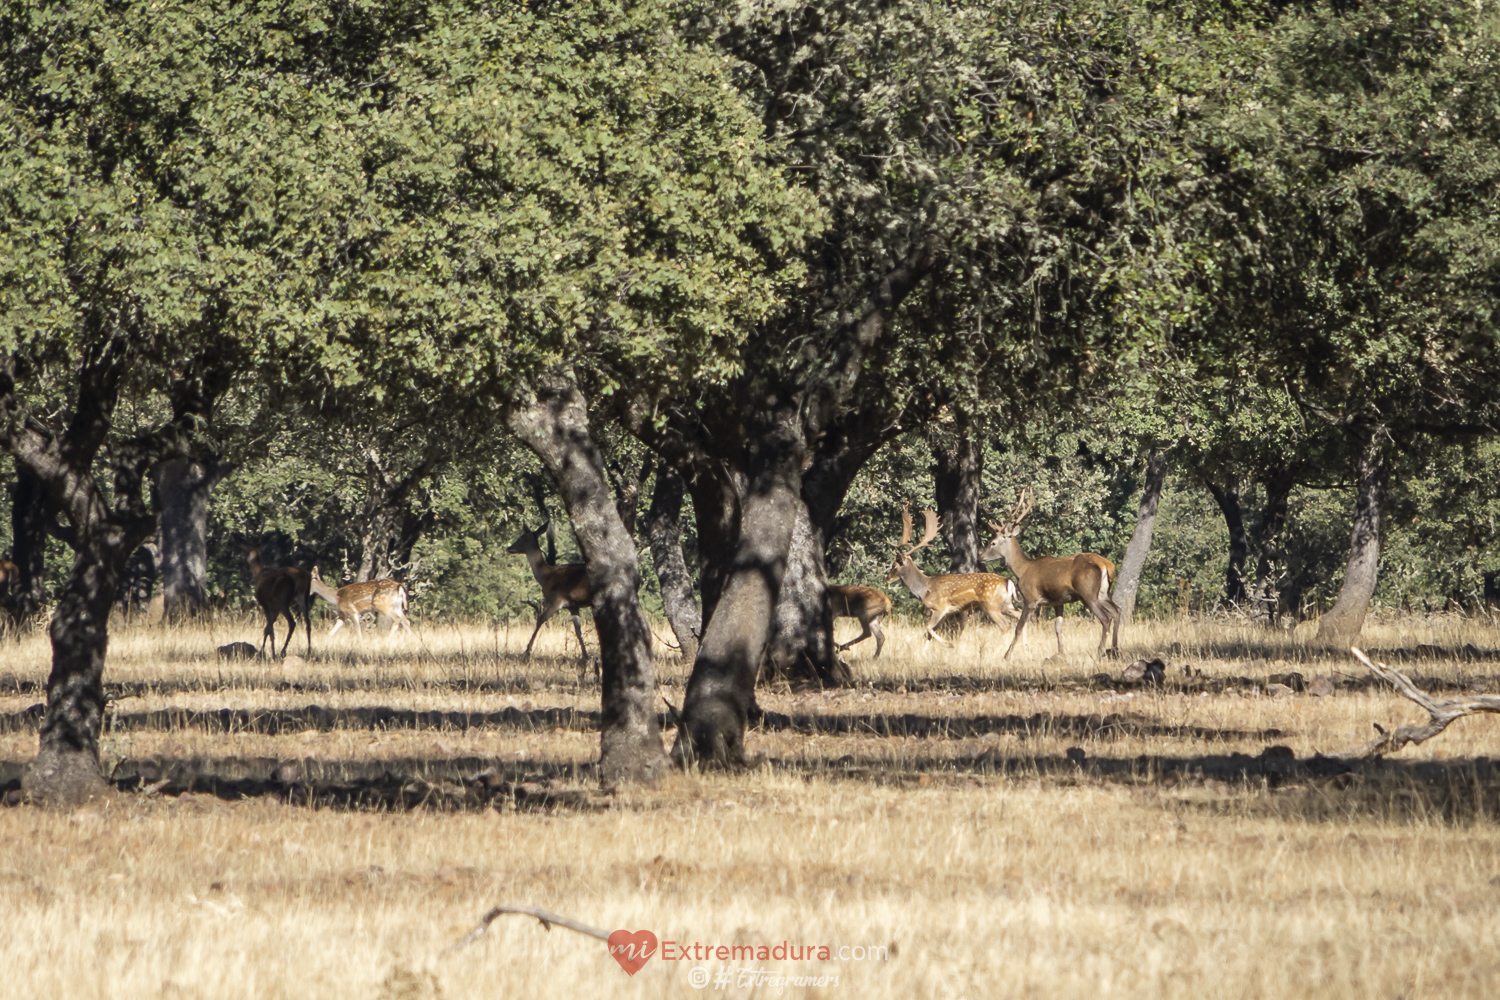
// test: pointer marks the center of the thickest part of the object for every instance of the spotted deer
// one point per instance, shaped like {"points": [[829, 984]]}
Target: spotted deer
{"points": [[943, 595], [387, 598], [1055, 581], [865, 603], [280, 592]]}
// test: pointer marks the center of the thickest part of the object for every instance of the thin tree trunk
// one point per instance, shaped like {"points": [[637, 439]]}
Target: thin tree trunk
{"points": [[1228, 500], [182, 489], [957, 471], [554, 424], [664, 532], [1128, 581], [32, 510], [1267, 534], [1344, 621]]}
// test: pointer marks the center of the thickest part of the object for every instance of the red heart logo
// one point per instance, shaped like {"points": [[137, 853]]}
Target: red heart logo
{"points": [[632, 951]]}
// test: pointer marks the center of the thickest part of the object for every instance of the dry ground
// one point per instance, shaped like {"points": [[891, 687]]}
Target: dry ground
{"points": [[981, 857]]}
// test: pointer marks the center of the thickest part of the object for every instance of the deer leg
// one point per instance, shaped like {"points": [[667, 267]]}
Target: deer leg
{"points": [[336, 626], [862, 636], [932, 623], [306, 622], [542, 617], [879, 636], [291, 621], [1057, 626], [1025, 613], [269, 633], [578, 629]]}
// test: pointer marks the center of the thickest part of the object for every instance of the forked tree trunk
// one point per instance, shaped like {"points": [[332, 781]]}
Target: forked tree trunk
{"points": [[1228, 499], [32, 510], [1128, 581], [1344, 621], [182, 489], [554, 424], [801, 645], [721, 691], [664, 532]]}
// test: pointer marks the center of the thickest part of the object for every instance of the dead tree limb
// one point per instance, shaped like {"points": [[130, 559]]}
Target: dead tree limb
{"points": [[547, 919], [1443, 713]]}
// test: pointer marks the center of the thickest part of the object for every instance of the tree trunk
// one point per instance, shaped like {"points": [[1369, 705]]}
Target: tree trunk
{"points": [[1228, 499], [716, 514], [957, 468], [1267, 534], [66, 770], [182, 489], [801, 645], [1128, 581], [1343, 622], [664, 532], [388, 527], [554, 424], [32, 510], [721, 691]]}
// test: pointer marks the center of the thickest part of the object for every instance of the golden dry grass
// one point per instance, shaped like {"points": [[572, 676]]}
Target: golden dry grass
{"points": [[985, 873]]}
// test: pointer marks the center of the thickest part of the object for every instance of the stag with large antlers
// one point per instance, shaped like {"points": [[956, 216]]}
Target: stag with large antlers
{"points": [[565, 586], [1056, 582], [280, 592], [943, 595]]}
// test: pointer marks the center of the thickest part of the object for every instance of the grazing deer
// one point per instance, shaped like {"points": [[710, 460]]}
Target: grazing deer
{"points": [[865, 603], [565, 586], [280, 592], [1053, 581], [387, 598], [943, 595]]}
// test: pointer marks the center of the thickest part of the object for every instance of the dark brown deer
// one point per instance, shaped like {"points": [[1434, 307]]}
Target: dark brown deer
{"points": [[565, 586], [387, 598], [943, 595], [865, 603], [1055, 581], [280, 592]]}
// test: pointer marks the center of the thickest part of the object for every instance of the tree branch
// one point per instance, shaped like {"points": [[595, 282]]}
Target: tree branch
{"points": [[547, 918], [1442, 713]]}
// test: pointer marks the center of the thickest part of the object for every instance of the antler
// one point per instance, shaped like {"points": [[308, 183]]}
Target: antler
{"points": [[1023, 507], [929, 534], [905, 526]]}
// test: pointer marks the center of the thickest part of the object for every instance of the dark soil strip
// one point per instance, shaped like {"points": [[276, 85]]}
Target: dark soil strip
{"points": [[315, 717], [1318, 788]]}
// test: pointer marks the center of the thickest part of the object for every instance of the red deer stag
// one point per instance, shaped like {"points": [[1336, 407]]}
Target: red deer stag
{"points": [[865, 603], [943, 595], [1056, 582], [565, 586], [387, 598], [280, 592]]}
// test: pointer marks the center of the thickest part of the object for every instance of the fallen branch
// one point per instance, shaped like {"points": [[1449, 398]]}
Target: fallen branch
{"points": [[1443, 713], [547, 919]]}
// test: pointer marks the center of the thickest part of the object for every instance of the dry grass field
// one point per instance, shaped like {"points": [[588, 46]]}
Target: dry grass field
{"points": [[330, 826]]}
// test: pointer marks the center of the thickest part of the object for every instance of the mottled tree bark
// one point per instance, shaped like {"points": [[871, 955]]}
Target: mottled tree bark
{"points": [[1128, 581], [1267, 535], [1228, 499], [1344, 621], [32, 510], [721, 690], [664, 533], [182, 489], [957, 471], [553, 422]]}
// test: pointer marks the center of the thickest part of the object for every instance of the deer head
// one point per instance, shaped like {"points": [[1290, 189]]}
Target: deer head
{"points": [[1009, 529], [903, 554], [528, 542]]}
